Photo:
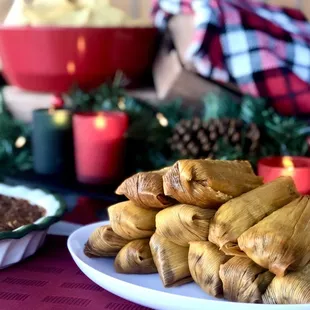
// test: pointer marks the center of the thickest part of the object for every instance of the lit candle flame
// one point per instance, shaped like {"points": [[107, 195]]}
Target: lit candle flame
{"points": [[60, 117], [288, 164], [100, 122]]}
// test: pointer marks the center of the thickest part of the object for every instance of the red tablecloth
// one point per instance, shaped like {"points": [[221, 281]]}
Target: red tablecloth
{"points": [[51, 280]]}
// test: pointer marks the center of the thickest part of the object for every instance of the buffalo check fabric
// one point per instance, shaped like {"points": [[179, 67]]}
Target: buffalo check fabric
{"points": [[263, 49]]}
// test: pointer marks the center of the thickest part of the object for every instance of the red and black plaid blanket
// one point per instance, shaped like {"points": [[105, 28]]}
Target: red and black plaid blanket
{"points": [[263, 49]]}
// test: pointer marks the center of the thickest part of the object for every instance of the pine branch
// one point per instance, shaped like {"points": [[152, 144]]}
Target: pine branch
{"points": [[219, 106], [12, 156], [252, 110]]}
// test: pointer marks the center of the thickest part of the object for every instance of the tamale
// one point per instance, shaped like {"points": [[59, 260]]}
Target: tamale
{"points": [[294, 288], [145, 189], [209, 183], [205, 259], [244, 281], [132, 222], [183, 223], [135, 258], [171, 261], [281, 241], [239, 214], [104, 242]]}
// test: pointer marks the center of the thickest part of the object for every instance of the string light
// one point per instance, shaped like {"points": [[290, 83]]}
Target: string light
{"points": [[81, 44], [122, 104], [20, 142], [71, 68], [163, 121]]}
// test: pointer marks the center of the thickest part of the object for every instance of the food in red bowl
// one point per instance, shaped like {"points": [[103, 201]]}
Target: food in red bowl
{"points": [[53, 59]]}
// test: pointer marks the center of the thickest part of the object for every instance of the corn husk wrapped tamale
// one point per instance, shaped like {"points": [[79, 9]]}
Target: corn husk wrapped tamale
{"points": [[183, 223], [205, 259], [171, 261], [135, 258], [244, 281], [294, 288], [239, 214], [132, 222], [145, 189], [104, 242], [281, 241], [209, 183]]}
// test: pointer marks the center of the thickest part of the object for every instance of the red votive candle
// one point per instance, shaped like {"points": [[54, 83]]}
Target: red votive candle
{"points": [[99, 146], [298, 168]]}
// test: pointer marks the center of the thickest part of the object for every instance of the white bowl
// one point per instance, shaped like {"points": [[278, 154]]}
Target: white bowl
{"points": [[24, 241]]}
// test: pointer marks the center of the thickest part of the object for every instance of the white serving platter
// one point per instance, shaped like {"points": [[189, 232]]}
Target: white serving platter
{"points": [[147, 290]]}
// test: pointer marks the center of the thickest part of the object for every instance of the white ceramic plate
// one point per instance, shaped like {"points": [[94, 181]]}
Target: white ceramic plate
{"points": [[147, 290]]}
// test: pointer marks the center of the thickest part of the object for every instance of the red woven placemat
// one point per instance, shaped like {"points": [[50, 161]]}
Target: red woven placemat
{"points": [[51, 280]]}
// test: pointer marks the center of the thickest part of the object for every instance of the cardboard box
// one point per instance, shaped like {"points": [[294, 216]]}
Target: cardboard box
{"points": [[173, 73]]}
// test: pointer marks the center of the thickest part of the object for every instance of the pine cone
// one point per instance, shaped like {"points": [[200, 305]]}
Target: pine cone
{"points": [[197, 139]]}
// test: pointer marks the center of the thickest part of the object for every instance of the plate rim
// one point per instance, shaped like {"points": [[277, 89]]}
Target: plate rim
{"points": [[210, 303]]}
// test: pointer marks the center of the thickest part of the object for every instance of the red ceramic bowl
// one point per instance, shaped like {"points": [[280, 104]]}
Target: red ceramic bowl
{"points": [[51, 59]]}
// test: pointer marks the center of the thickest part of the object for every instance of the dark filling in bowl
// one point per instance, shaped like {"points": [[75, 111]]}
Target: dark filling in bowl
{"points": [[15, 213]]}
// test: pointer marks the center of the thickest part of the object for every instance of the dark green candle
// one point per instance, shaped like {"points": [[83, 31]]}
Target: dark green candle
{"points": [[52, 141]]}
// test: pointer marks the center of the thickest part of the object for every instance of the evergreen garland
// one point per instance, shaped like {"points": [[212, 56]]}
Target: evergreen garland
{"points": [[150, 127], [281, 135], [15, 149]]}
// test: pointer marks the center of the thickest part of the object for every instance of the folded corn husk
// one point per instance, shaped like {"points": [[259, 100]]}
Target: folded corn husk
{"points": [[209, 183], [281, 241], [132, 222], [239, 214], [244, 281], [205, 259], [184, 223], [104, 242], [135, 258], [145, 189], [171, 261], [294, 288]]}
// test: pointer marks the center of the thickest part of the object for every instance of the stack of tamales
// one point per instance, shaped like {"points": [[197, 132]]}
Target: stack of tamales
{"points": [[132, 223], [213, 222]]}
